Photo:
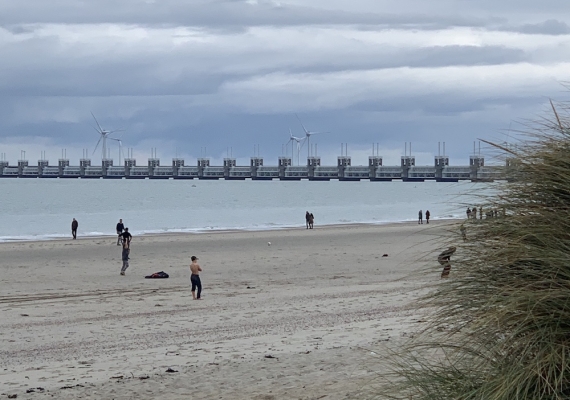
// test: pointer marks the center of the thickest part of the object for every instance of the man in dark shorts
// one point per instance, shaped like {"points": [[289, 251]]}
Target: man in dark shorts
{"points": [[120, 229], [74, 226], [127, 236], [195, 278]]}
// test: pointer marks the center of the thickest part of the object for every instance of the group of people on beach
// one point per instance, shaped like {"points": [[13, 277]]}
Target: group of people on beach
{"points": [[472, 213], [421, 217], [124, 238]]}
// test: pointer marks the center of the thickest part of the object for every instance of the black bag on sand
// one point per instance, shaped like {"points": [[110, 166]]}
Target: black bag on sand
{"points": [[157, 275]]}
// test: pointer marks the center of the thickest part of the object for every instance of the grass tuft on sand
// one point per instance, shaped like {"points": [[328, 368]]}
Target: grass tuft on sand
{"points": [[500, 325]]}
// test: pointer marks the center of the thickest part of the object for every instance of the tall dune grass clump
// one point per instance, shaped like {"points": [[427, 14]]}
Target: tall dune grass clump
{"points": [[499, 327]]}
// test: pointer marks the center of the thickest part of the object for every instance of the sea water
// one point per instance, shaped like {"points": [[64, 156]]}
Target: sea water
{"points": [[42, 209]]}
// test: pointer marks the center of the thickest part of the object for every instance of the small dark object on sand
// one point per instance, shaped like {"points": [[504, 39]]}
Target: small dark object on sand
{"points": [[12, 396], [24, 315], [251, 287], [144, 377], [170, 370], [270, 356], [385, 255]]}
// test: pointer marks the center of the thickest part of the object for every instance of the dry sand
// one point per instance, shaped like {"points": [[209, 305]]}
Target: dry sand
{"points": [[300, 319]]}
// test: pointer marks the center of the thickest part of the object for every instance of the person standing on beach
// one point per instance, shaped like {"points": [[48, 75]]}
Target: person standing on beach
{"points": [[427, 216], [420, 217], [127, 237], [120, 229], [195, 278], [311, 220], [307, 219], [74, 226], [125, 256], [468, 213]]}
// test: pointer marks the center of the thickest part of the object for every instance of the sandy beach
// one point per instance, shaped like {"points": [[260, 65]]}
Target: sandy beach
{"points": [[302, 318]]}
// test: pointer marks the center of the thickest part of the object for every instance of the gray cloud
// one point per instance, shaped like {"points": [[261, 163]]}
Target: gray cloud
{"points": [[216, 74], [548, 27]]}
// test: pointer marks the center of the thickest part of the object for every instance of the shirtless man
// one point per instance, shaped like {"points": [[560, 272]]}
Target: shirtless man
{"points": [[195, 278]]}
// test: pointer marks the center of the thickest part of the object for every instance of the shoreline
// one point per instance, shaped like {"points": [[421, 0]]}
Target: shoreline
{"points": [[198, 232]]}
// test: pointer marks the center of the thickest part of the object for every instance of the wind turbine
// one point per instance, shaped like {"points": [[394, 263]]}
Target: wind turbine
{"points": [[103, 138], [299, 141], [308, 136], [121, 153]]}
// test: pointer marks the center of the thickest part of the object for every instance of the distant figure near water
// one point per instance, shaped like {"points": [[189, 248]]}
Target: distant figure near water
{"points": [[445, 259], [427, 216], [311, 220], [120, 228], [307, 218], [74, 226], [420, 217]]}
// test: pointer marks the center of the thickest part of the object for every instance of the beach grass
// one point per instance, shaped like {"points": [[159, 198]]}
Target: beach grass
{"points": [[499, 327]]}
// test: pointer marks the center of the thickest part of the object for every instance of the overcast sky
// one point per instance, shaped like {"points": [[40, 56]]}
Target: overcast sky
{"points": [[194, 78]]}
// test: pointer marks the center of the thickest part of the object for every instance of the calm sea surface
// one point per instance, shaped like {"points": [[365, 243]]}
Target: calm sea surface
{"points": [[40, 209]]}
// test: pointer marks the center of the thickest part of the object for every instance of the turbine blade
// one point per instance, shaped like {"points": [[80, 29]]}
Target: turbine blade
{"points": [[97, 122], [97, 145], [305, 129]]}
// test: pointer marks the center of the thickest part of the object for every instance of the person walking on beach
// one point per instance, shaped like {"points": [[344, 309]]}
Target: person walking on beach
{"points": [[420, 217], [468, 213], [125, 256], [127, 236], [195, 278], [120, 229], [307, 219], [427, 216], [74, 226], [311, 220]]}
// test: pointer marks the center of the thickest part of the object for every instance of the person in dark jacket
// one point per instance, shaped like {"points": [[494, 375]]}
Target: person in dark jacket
{"points": [[120, 229], [74, 226], [427, 216]]}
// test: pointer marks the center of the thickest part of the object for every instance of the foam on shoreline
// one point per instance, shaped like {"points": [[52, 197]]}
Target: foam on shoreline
{"points": [[203, 230]]}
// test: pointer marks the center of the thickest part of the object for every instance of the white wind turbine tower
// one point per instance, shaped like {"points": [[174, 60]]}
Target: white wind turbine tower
{"points": [[308, 136], [103, 138], [121, 153], [299, 141]]}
